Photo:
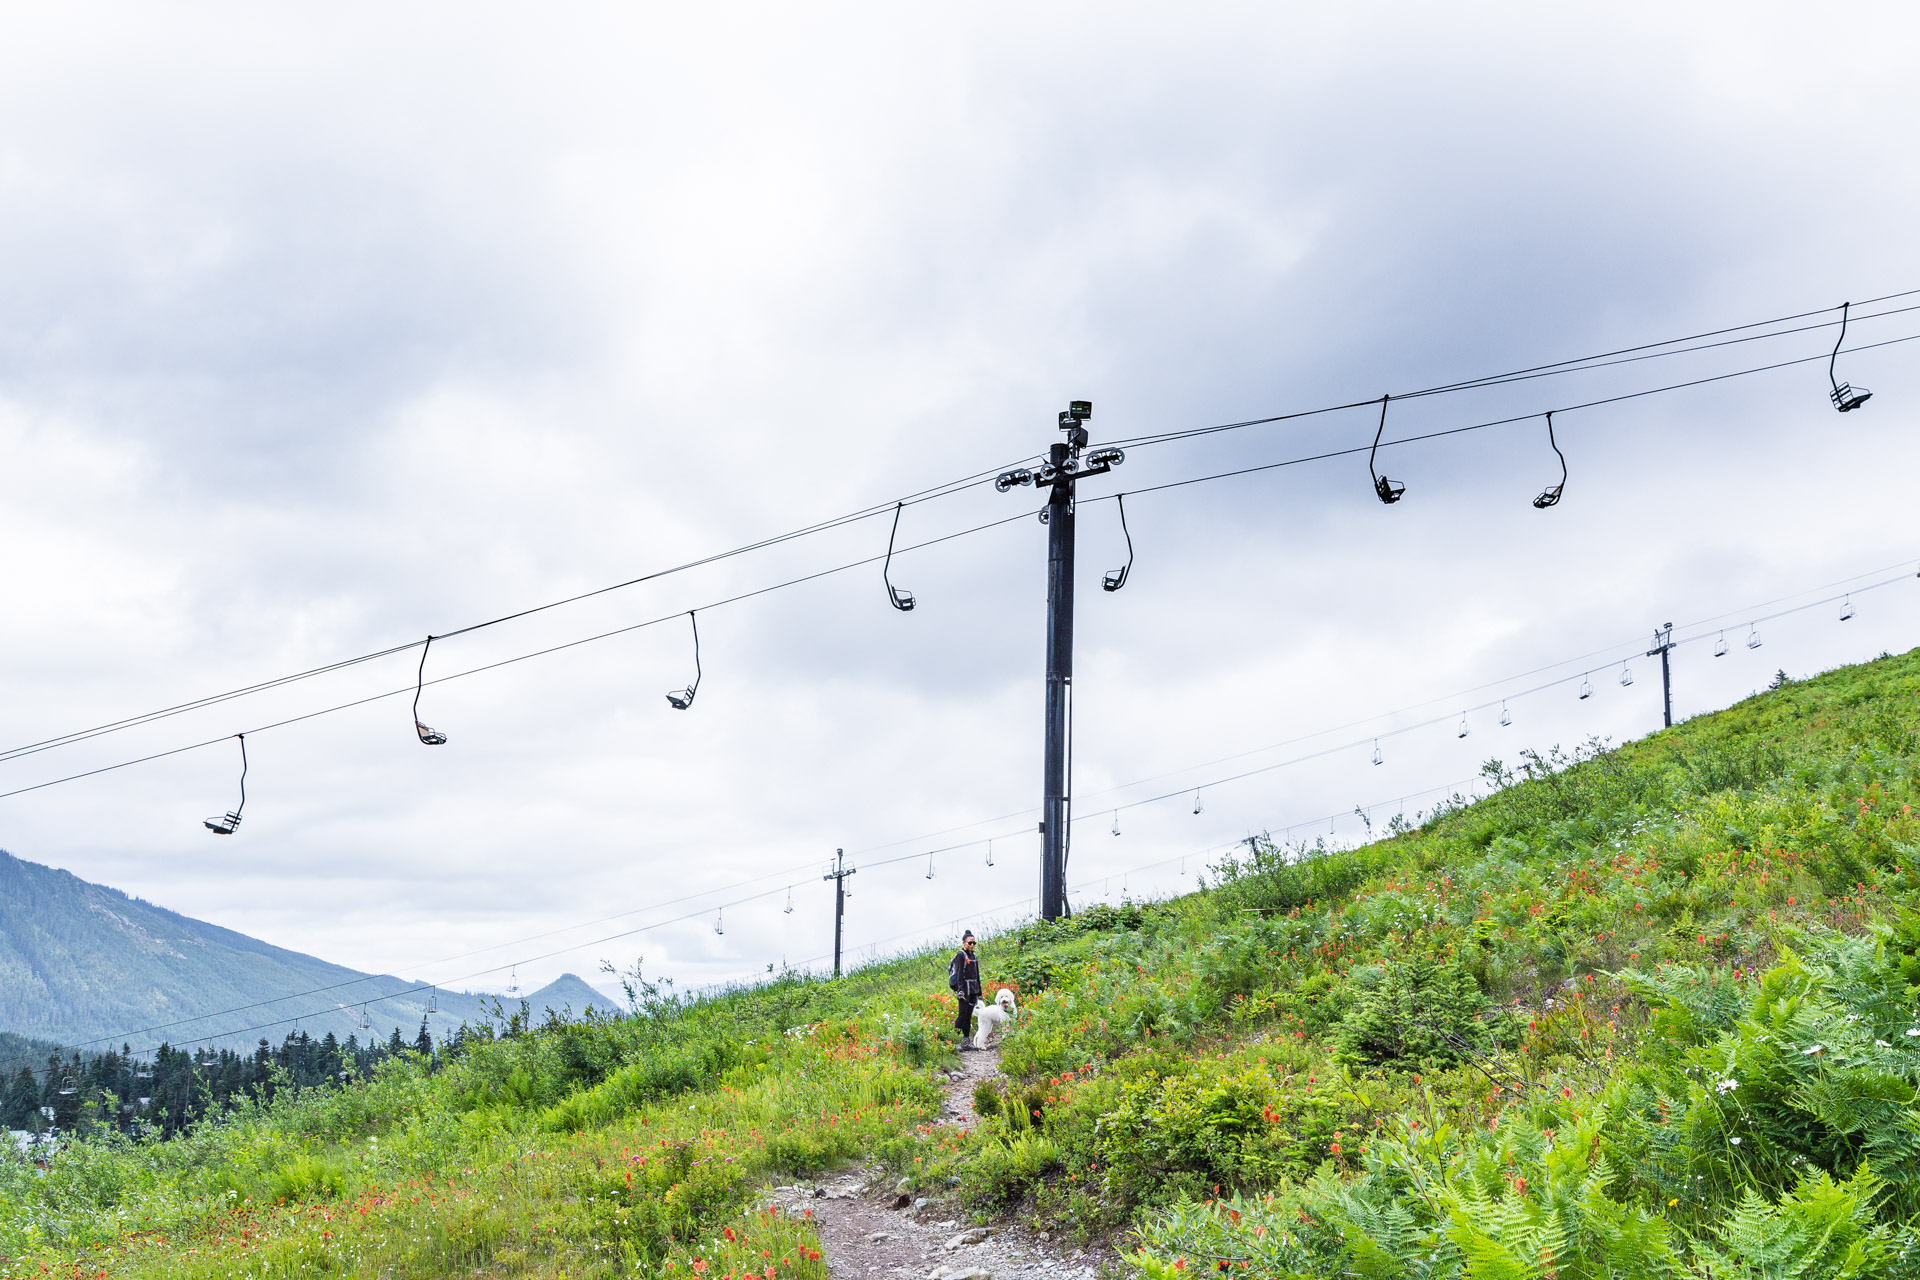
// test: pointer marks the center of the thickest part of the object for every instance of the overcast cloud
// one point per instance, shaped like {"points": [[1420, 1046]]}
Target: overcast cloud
{"points": [[325, 330]]}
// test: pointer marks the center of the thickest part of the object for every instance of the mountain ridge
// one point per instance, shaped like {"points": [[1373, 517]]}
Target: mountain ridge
{"points": [[88, 965]]}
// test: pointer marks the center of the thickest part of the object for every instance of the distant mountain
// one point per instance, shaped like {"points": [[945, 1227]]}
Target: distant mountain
{"points": [[80, 962], [19, 1051]]}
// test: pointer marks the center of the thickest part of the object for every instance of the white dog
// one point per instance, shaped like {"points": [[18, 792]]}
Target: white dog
{"points": [[992, 1017]]}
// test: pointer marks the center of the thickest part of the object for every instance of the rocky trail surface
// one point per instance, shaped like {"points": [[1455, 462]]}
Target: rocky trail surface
{"points": [[872, 1229]]}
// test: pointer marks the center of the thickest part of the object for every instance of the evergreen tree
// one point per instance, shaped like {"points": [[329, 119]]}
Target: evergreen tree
{"points": [[21, 1102], [423, 1043]]}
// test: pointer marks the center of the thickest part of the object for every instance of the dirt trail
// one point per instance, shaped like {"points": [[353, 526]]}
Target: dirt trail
{"points": [[866, 1238]]}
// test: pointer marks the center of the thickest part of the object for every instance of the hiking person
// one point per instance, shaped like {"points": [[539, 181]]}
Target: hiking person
{"points": [[963, 978]]}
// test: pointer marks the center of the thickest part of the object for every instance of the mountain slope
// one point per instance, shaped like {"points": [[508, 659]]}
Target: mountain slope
{"points": [[81, 961], [1638, 1014]]}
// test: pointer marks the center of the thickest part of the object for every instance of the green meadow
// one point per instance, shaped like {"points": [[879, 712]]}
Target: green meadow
{"points": [[1641, 1011]]}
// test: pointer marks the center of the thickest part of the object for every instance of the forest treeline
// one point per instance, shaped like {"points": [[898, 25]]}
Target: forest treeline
{"points": [[167, 1093]]}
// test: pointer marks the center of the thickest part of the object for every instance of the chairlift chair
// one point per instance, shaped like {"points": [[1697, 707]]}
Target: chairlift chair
{"points": [[1197, 805], [989, 850], [1117, 578], [1550, 495], [1753, 636], [1116, 822], [1586, 688], [1506, 716], [1465, 729], [902, 598], [719, 921], [1387, 491], [225, 825], [1720, 646], [1845, 396], [929, 866], [1626, 675], [789, 907], [1377, 757], [68, 1086], [433, 1003], [681, 699], [1846, 609], [428, 737], [513, 982]]}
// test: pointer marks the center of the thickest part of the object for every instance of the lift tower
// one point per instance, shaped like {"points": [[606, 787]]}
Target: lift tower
{"points": [[1064, 466]]}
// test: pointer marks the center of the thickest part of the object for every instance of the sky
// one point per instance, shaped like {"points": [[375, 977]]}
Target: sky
{"points": [[328, 330]]}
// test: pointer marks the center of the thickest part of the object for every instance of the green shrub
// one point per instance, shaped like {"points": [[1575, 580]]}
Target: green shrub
{"points": [[1415, 1012], [1002, 1172]]}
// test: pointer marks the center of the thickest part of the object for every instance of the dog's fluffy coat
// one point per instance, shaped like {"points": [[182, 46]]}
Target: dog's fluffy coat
{"points": [[991, 1017]]}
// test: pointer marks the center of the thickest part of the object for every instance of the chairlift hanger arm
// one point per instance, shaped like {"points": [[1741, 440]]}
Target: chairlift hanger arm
{"points": [[1552, 494], [1835, 354], [1118, 578], [681, 699], [1387, 490], [899, 597]]}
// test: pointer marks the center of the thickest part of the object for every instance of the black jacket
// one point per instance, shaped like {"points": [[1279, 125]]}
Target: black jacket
{"points": [[963, 975]]}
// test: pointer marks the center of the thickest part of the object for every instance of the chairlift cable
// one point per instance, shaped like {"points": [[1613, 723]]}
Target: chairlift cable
{"points": [[511, 965], [1363, 741], [1564, 366], [395, 995], [1903, 577], [923, 495], [429, 964], [1705, 622], [1494, 422], [518, 658], [420, 681], [129, 722]]}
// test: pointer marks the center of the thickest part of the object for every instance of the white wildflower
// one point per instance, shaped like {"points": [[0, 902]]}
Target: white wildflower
{"points": [[1736, 1142], [1813, 1048], [1726, 1086]]}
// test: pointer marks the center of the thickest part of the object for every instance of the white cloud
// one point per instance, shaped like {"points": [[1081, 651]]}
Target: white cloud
{"points": [[332, 330]]}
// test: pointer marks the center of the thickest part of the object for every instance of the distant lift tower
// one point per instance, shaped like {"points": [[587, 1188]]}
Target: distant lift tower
{"points": [[1663, 645], [839, 876], [1063, 467]]}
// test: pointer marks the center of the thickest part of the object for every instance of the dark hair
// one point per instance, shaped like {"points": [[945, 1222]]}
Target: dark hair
{"points": [[966, 935]]}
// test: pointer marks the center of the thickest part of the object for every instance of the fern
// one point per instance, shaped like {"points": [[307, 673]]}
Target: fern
{"points": [[1824, 1228]]}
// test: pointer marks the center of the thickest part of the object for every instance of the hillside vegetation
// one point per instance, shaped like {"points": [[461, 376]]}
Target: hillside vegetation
{"points": [[1642, 1012]]}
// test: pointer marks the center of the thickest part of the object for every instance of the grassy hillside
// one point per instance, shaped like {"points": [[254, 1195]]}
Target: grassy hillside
{"points": [[81, 960], [1644, 1012]]}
